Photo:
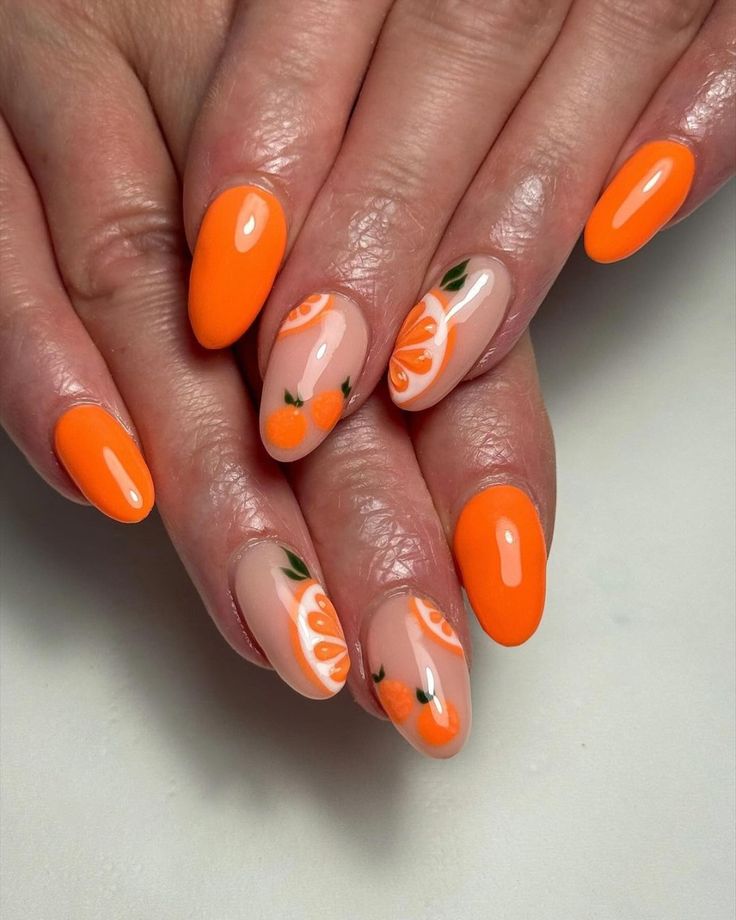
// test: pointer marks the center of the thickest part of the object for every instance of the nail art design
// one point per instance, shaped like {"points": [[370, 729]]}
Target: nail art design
{"points": [[239, 249], [420, 674], [292, 619], [500, 550], [318, 353], [643, 196], [105, 463], [447, 331]]}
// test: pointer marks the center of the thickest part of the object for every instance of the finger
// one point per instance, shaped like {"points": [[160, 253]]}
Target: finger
{"points": [[393, 579], [58, 401], [268, 131], [487, 455], [524, 210], [115, 225], [413, 144], [681, 150]]}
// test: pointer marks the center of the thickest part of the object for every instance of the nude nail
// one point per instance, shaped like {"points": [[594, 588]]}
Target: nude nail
{"points": [[318, 354], [292, 619], [447, 331], [420, 674]]}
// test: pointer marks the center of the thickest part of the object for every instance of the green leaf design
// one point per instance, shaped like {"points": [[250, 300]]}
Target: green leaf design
{"points": [[346, 387], [294, 576], [456, 284], [296, 563], [424, 697], [293, 400], [379, 677], [453, 274]]}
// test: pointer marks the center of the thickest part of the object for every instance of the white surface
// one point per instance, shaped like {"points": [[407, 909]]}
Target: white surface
{"points": [[148, 773]]}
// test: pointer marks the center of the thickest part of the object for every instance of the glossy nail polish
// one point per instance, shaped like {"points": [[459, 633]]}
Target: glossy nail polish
{"points": [[447, 331], [238, 252], [500, 550], [318, 354], [644, 195], [292, 619], [104, 462], [420, 674]]}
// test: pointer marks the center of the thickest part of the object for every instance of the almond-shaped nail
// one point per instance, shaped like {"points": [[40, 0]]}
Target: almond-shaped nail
{"points": [[447, 331], [239, 249], [104, 462], [500, 549], [318, 354], [643, 196], [420, 674], [292, 619]]}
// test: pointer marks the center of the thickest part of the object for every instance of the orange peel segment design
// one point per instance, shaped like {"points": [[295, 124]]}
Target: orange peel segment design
{"points": [[317, 638], [307, 314], [423, 347], [434, 625]]}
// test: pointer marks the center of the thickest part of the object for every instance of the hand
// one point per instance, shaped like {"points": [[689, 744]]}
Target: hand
{"points": [[98, 359], [480, 138]]}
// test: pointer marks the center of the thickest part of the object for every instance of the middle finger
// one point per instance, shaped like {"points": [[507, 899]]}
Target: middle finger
{"points": [[362, 252]]}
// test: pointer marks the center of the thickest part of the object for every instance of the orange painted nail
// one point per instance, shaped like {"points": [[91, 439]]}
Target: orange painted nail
{"points": [[239, 250], [642, 197], [104, 462], [499, 547]]}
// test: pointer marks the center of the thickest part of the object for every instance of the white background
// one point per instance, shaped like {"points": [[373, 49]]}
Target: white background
{"points": [[148, 773]]}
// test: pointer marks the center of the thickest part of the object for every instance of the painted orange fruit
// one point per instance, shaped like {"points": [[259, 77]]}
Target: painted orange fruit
{"points": [[286, 428], [307, 314], [396, 698], [326, 407], [316, 635], [434, 625], [438, 723]]}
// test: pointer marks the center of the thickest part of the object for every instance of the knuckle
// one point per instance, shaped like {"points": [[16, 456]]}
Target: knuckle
{"points": [[654, 20], [138, 241], [390, 537], [467, 26], [384, 220]]}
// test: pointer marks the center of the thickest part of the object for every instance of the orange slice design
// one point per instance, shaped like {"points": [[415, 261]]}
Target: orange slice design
{"points": [[434, 625], [317, 638], [307, 314], [423, 348]]}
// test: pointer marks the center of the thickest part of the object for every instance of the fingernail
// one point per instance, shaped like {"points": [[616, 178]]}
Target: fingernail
{"points": [[420, 674], [292, 619], [104, 462], [238, 252], [318, 354], [642, 197], [500, 549], [447, 331]]}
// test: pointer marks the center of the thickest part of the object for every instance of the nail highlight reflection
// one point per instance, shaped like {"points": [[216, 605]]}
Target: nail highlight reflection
{"points": [[420, 674]]}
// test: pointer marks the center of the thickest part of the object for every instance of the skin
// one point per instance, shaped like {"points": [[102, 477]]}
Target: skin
{"points": [[105, 107]]}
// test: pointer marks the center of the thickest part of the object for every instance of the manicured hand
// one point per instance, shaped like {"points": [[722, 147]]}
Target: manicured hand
{"points": [[481, 136], [100, 370]]}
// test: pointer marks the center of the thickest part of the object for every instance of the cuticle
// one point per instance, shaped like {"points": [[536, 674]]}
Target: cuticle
{"points": [[489, 482]]}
